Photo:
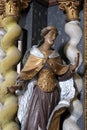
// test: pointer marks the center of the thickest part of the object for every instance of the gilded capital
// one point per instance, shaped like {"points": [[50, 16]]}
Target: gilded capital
{"points": [[1, 6], [12, 7], [25, 3], [71, 8], [1, 11]]}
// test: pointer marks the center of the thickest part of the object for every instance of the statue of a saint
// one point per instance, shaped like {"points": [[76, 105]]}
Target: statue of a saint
{"points": [[44, 101]]}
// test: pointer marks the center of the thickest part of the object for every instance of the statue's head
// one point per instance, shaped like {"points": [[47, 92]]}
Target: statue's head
{"points": [[49, 34]]}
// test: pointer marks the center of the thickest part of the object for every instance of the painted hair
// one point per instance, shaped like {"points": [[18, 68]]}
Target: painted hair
{"points": [[47, 29], [44, 31]]}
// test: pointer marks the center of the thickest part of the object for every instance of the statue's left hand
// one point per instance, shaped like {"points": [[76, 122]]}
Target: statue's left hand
{"points": [[73, 67]]}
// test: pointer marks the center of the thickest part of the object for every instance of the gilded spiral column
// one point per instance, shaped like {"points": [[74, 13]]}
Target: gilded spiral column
{"points": [[72, 28], [10, 58]]}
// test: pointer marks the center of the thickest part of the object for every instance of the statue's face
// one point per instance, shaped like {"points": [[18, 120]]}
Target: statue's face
{"points": [[50, 37]]}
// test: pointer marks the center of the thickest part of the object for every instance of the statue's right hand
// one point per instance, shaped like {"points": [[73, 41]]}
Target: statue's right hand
{"points": [[12, 89], [18, 86]]}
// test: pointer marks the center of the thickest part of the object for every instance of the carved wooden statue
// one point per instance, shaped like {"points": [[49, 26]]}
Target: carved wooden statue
{"points": [[49, 85]]}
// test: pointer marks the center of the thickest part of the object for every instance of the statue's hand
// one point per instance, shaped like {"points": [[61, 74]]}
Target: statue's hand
{"points": [[12, 89], [18, 86], [77, 60], [73, 67]]}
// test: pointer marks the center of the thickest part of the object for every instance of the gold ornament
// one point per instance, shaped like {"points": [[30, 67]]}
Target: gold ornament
{"points": [[24, 3], [71, 7], [47, 81], [12, 7], [1, 11]]}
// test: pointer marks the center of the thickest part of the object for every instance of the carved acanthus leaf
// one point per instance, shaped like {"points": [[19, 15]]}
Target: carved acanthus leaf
{"points": [[12, 7], [71, 7], [2, 4]]}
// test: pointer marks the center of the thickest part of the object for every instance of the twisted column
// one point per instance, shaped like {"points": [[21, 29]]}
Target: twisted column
{"points": [[10, 56], [2, 55], [85, 64], [72, 28]]}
